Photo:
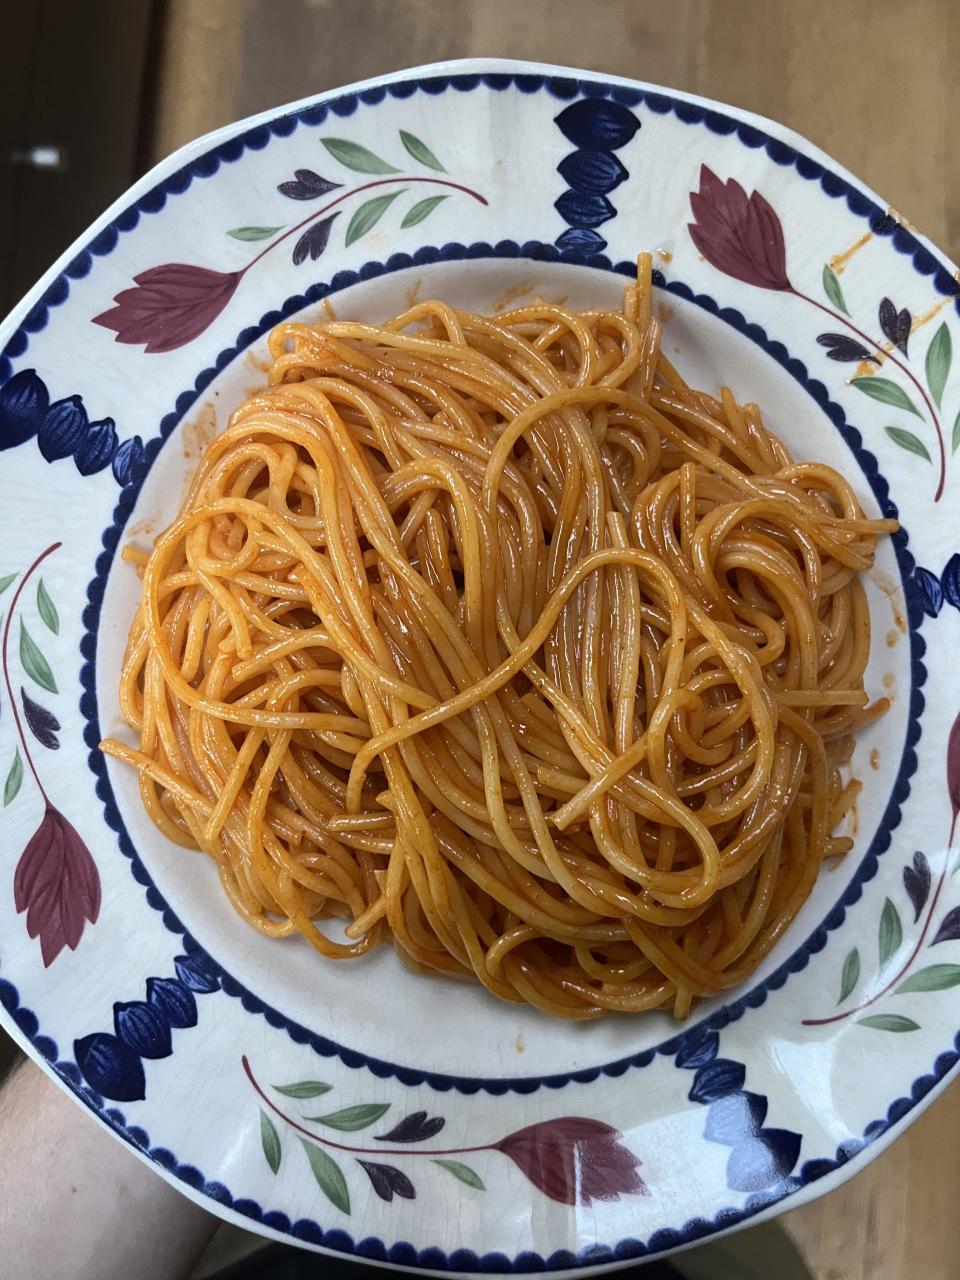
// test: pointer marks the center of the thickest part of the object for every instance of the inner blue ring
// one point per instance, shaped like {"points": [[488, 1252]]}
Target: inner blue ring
{"points": [[719, 1018]]}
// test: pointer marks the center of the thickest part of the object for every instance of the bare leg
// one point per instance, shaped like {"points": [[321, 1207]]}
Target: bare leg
{"points": [[75, 1205]]}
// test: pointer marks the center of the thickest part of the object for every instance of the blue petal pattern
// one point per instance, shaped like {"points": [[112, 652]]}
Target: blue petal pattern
{"points": [[759, 1158], [143, 1029], [23, 403], [97, 448], [111, 1064], [172, 999], [580, 240], [596, 124], [700, 1052], [194, 972], [598, 128], [717, 1079], [584, 211], [127, 459], [111, 1067], [931, 592], [733, 1117], [950, 581], [594, 173], [63, 428], [762, 1160]]}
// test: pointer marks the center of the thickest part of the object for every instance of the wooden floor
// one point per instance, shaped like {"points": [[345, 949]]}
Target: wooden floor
{"points": [[867, 81]]}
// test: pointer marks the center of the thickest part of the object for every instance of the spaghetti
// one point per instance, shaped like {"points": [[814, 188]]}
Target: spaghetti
{"points": [[491, 636]]}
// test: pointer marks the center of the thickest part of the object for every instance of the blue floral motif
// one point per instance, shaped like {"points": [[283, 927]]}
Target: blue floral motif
{"points": [[112, 1064], [96, 448], [934, 592], [593, 173], [598, 128], [597, 124], [717, 1079], [63, 429], [730, 1117], [950, 581], [173, 1001], [127, 459], [760, 1159], [143, 1029], [584, 210], [110, 1067], [194, 973], [23, 406], [759, 1162]]}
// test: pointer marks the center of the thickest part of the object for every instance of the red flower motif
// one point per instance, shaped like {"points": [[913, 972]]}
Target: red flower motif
{"points": [[575, 1161], [738, 234], [56, 882], [170, 305]]}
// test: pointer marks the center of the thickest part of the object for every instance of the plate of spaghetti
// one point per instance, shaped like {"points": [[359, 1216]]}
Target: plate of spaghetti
{"points": [[492, 609]]}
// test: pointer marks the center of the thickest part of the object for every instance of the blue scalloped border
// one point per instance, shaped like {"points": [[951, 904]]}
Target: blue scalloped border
{"points": [[402, 1253], [720, 1017]]}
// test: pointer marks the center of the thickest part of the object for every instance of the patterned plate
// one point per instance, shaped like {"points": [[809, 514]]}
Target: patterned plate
{"points": [[359, 1108]]}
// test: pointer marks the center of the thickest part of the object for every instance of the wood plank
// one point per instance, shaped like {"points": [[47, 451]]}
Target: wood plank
{"points": [[863, 80]]}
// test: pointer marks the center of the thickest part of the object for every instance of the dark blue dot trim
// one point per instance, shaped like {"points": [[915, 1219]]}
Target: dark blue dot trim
{"points": [[722, 1017]]}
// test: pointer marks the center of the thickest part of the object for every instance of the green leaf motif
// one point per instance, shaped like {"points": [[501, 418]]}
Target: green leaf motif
{"points": [[939, 360], [356, 157], [907, 440], [851, 974], [420, 151], [34, 663], [329, 1178], [935, 977], [889, 1022], [270, 1142], [463, 1172], [48, 610], [956, 436], [886, 392], [831, 287], [254, 233], [422, 209], [891, 932], [14, 778], [352, 1118], [368, 215], [303, 1089], [5, 581]]}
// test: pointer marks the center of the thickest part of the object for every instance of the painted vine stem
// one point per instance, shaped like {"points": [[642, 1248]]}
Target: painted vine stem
{"points": [[924, 899], [742, 236], [571, 1159], [56, 882], [170, 305]]}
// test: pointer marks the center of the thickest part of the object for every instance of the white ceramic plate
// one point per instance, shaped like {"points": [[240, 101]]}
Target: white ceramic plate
{"points": [[462, 1134]]}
